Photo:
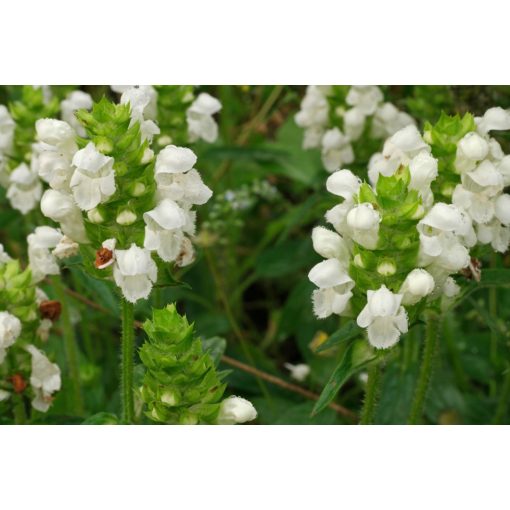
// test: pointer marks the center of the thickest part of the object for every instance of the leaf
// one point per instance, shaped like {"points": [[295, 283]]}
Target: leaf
{"points": [[342, 372], [346, 332], [215, 346], [101, 419]]}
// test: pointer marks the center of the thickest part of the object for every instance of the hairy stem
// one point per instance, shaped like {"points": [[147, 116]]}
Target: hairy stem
{"points": [[127, 364], [431, 337], [371, 392], [20, 414], [71, 347]]}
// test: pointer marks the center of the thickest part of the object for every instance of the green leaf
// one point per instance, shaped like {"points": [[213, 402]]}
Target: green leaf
{"points": [[342, 372], [346, 332], [215, 346], [101, 419]]}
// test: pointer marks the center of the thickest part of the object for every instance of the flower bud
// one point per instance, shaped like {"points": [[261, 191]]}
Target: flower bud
{"points": [[95, 216], [148, 156], [502, 209], [327, 244], [363, 217], [54, 132], [57, 205], [418, 284], [236, 410], [450, 287], [343, 183], [126, 217], [138, 189], [386, 268], [473, 146]]}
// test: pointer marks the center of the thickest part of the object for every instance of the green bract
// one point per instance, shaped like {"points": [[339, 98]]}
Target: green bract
{"points": [[25, 112], [443, 138], [108, 127], [17, 295], [173, 101], [396, 253], [181, 384]]}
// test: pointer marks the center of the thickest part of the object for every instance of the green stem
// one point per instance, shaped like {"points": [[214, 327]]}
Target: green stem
{"points": [[371, 392], [71, 348], [503, 401], [127, 364], [20, 414], [431, 337]]}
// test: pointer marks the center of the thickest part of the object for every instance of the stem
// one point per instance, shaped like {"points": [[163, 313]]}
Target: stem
{"points": [[127, 364], [431, 337], [71, 348], [493, 312], [503, 401], [20, 414], [371, 392]]}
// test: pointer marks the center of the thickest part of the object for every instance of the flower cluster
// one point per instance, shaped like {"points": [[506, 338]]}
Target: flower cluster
{"points": [[399, 240], [181, 383], [26, 316], [335, 117], [181, 117], [474, 171], [113, 196], [20, 162]]}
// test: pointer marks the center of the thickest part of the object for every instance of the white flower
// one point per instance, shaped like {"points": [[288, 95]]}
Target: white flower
{"points": [[364, 221], [334, 285], [314, 108], [502, 209], [343, 183], [60, 207], [40, 243], [93, 181], [173, 160], [298, 372], [450, 287], [236, 410], [418, 284], [384, 318], [43, 330], [354, 123], [134, 272], [7, 127], [423, 170], [470, 149], [312, 137], [45, 379], [10, 330], [495, 234], [479, 206], [56, 133], [493, 119], [164, 229], [143, 101], [485, 178], [4, 395], [65, 248], [75, 100], [337, 216], [336, 150], [201, 124], [329, 244], [364, 97], [504, 169], [25, 189], [388, 120]]}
